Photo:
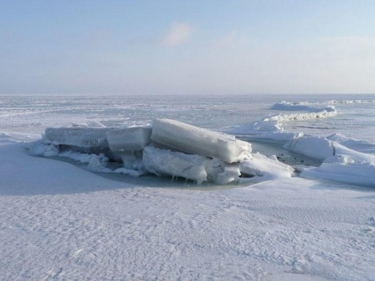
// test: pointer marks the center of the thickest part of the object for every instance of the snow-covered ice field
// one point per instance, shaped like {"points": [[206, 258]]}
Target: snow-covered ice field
{"points": [[62, 221]]}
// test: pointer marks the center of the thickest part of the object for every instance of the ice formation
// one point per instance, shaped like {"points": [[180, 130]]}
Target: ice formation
{"points": [[302, 106], [79, 137], [168, 148], [267, 167], [347, 165], [190, 139], [339, 163], [129, 139], [190, 166], [176, 149], [165, 162], [271, 126]]}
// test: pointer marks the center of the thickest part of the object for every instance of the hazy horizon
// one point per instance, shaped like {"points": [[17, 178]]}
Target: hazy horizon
{"points": [[179, 48]]}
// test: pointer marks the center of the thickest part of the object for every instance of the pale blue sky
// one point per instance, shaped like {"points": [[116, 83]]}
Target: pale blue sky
{"points": [[187, 47]]}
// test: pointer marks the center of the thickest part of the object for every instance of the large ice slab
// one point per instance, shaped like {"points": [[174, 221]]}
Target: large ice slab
{"points": [[163, 162], [190, 139], [267, 167], [80, 137], [176, 164], [129, 139]]}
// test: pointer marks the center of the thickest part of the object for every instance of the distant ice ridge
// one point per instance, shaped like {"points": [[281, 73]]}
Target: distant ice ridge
{"points": [[302, 106], [340, 163], [271, 126], [349, 101], [310, 112], [342, 159], [168, 148]]}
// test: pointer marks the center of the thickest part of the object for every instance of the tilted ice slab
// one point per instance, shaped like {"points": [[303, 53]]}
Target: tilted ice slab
{"points": [[256, 168], [194, 167], [80, 137], [266, 168], [129, 139], [190, 139], [164, 162]]}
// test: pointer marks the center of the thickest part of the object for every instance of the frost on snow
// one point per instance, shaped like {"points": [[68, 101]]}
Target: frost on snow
{"points": [[169, 148]]}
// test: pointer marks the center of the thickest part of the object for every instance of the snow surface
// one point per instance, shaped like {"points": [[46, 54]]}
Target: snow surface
{"points": [[62, 222]]}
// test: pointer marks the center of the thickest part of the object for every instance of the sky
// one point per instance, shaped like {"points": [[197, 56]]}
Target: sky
{"points": [[149, 47]]}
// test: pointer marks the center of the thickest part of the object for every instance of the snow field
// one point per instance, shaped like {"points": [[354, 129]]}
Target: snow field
{"points": [[85, 227], [60, 222]]}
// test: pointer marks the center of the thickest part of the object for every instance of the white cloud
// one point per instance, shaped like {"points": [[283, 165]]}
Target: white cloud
{"points": [[227, 40], [177, 34]]}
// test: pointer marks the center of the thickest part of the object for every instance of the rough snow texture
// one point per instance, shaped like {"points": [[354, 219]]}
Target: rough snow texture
{"points": [[194, 140], [129, 139], [80, 137]]}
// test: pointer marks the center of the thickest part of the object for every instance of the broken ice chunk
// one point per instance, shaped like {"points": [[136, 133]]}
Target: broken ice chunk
{"points": [[165, 162], [222, 173], [129, 139], [193, 167], [132, 160], [263, 166], [190, 139], [80, 137]]}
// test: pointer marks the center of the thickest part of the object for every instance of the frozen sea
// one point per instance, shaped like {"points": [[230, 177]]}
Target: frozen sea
{"points": [[32, 114], [62, 222]]}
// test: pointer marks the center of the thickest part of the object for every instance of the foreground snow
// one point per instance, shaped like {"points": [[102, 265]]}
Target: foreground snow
{"points": [[60, 222]]}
